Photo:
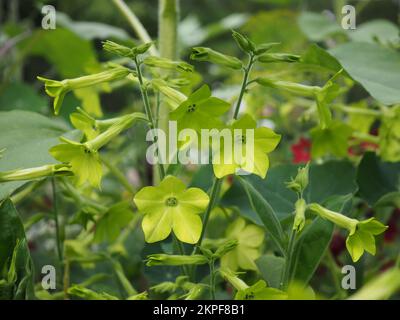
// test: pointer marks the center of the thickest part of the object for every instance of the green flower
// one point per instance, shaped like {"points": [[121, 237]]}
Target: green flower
{"points": [[361, 233], [258, 291], [171, 207], [85, 163], [255, 160], [84, 157], [58, 89], [173, 97], [278, 57], [249, 238], [362, 238], [332, 139], [200, 111]]}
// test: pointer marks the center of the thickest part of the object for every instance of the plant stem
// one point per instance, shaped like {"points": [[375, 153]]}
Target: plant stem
{"points": [[119, 175], [333, 268], [168, 17], [135, 23], [288, 261], [244, 85], [58, 234], [212, 279], [215, 189], [360, 111], [365, 137], [148, 111]]}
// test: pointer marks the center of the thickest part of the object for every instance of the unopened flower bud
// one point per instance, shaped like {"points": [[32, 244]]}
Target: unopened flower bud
{"points": [[207, 54]]}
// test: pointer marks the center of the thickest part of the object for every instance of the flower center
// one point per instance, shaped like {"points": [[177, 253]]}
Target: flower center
{"points": [[191, 108], [241, 138], [171, 202]]}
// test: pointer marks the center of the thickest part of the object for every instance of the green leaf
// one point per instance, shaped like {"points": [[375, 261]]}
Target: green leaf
{"points": [[333, 178], [26, 138], [382, 77], [109, 226], [271, 268], [319, 58], [376, 178], [310, 248], [91, 30], [14, 254], [372, 31], [389, 135], [318, 26], [20, 96], [265, 212]]}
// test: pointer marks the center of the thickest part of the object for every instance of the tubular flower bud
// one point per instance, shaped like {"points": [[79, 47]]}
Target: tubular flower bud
{"points": [[299, 218], [175, 260], [207, 54], [164, 63], [278, 57], [300, 183], [58, 89], [296, 88], [174, 96], [35, 173]]}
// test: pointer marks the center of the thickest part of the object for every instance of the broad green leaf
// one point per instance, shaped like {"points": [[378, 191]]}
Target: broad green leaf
{"points": [[20, 96], [372, 31], [109, 226], [91, 30], [333, 178], [382, 76], [310, 248], [319, 58], [14, 255], [317, 26], [271, 268], [26, 138], [265, 212], [376, 178]]}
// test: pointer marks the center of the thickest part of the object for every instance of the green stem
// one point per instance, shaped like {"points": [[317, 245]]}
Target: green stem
{"points": [[181, 251], [119, 175], [365, 137], [168, 17], [148, 111], [244, 85], [56, 219], [335, 273], [352, 110], [212, 279], [288, 261], [215, 189], [135, 23]]}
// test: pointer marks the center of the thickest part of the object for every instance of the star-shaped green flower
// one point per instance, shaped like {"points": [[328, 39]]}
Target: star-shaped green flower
{"points": [[332, 139], [200, 111], [85, 163], [171, 207], [249, 237], [362, 238], [256, 160], [361, 233]]}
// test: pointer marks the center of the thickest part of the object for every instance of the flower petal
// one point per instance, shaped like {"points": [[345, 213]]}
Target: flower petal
{"points": [[193, 200], [355, 247], [187, 226], [157, 225]]}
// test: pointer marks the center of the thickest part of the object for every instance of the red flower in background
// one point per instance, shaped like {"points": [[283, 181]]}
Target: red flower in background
{"points": [[392, 232], [301, 151]]}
